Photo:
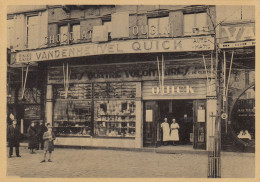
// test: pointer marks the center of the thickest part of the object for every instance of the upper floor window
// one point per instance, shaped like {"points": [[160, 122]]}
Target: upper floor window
{"points": [[32, 29], [158, 27], [195, 24]]}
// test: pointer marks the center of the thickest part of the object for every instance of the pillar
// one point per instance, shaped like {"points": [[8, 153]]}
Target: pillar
{"points": [[139, 117], [49, 104], [211, 112]]}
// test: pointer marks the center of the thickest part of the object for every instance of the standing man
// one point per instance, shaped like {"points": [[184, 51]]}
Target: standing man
{"points": [[41, 130], [13, 137]]}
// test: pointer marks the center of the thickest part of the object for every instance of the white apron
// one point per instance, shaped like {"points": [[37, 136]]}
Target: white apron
{"points": [[166, 131], [174, 136]]}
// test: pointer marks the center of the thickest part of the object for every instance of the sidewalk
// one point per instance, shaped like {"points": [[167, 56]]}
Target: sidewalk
{"points": [[95, 163]]}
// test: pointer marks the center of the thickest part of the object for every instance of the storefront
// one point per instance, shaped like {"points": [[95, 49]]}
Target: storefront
{"points": [[122, 105], [98, 94], [238, 49]]}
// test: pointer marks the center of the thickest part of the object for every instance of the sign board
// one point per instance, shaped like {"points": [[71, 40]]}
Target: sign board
{"points": [[149, 116], [174, 89], [201, 115], [201, 43], [237, 32]]}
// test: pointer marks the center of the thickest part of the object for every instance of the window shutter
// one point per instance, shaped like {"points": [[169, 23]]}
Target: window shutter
{"points": [[20, 33], [133, 27], [10, 34], [120, 25], [100, 34], [43, 29], [176, 23], [52, 34], [87, 25]]}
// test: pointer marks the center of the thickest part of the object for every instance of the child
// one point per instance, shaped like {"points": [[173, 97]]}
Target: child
{"points": [[48, 138]]}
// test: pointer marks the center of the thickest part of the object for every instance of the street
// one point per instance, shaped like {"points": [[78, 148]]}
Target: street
{"points": [[93, 163]]}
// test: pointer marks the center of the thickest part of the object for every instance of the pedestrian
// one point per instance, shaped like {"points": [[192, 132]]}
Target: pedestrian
{"points": [[48, 138], [33, 137], [41, 130], [174, 136], [13, 138], [166, 131]]}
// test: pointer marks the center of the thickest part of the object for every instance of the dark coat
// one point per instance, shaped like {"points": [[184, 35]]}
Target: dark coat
{"points": [[13, 136], [33, 137], [48, 142], [41, 129]]}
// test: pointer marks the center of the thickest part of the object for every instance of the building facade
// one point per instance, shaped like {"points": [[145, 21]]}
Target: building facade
{"points": [[109, 75]]}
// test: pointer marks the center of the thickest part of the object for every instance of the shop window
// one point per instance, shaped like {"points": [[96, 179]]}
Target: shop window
{"points": [[72, 115], [114, 107], [195, 24], [158, 27], [243, 116], [115, 118]]}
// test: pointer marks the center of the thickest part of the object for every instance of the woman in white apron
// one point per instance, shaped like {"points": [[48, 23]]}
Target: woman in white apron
{"points": [[166, 131], [174, 136]]}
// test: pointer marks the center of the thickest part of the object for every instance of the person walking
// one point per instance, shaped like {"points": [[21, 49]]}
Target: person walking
{"points": [[41, 130], [174, 136], [33, 137], [13, 138], [48, 138], [166, 131]]}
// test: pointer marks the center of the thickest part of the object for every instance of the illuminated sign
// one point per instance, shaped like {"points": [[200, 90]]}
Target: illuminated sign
{"points": [[202, 43]]}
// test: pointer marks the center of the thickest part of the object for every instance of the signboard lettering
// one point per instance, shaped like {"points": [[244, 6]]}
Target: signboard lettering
{"points": [[118, 47], [164, 90]]}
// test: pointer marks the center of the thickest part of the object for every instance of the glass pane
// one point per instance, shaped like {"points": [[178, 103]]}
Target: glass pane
{"points": [[72, 117], [115, 118], [243, 116]]}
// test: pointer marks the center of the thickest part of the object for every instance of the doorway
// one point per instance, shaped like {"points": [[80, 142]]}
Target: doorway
{"points": [[189, 114]]}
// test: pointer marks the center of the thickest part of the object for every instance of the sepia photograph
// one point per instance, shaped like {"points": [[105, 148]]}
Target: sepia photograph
{"points": [[130, 91]]}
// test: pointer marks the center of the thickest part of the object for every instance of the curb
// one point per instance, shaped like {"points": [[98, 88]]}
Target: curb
{"points": [[152, 150]]}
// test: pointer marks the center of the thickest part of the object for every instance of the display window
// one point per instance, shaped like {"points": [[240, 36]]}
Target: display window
{"points": [[108, 112], [72, 116], [243, 116], [115, 118]]}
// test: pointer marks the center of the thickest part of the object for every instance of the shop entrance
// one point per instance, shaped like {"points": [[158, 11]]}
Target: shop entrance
{"points": [[189, 114]]}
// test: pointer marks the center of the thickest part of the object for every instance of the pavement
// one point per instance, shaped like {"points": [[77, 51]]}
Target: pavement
{"points": [[102, 163]]}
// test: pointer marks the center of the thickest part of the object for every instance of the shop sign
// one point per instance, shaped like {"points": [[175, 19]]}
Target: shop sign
{"points": [[238, 35], [164, 90], [118, 47], [129, 72]]}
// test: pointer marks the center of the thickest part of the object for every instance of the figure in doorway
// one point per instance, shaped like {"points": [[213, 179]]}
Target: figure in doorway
{"points": [[166, 131], [33, 137], [174, 133]]}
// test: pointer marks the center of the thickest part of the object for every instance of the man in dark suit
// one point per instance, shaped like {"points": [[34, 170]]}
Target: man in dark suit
{"points": [[13, 138], [41, 129]]}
